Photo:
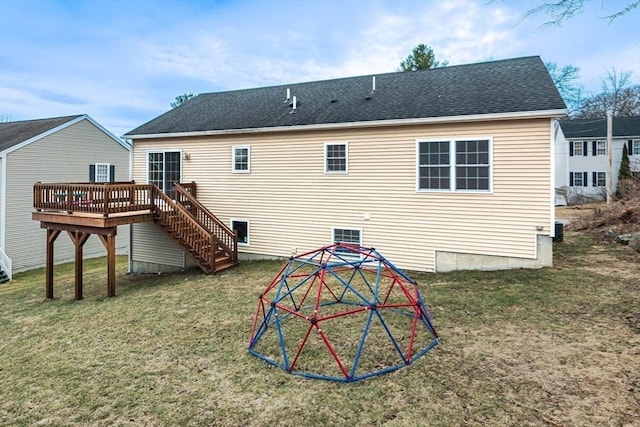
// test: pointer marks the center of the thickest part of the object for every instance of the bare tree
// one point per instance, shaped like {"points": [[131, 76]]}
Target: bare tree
{"points": [[562, 10], [565, 79], [618, 95]]}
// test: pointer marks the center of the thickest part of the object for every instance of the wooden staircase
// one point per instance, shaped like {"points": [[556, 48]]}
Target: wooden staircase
{"points": [[212, 245]]}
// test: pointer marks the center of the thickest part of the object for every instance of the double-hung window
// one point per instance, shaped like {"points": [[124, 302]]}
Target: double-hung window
{"points": [[101, 172], [241, 159], [577, 179], [336, 157], [601, 148], [599, 179], [635, 147], [454, 165]]}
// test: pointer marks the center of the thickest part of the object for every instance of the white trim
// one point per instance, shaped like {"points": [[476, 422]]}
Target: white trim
{"points": [[554, 127], [452, 164], [232, 220], [233, 158], [372, 123], [3, 197], [61, 127], [346, 158], [5, 261]]}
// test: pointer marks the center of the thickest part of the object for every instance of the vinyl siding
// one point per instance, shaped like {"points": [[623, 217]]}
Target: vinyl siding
{"points": [[292, 204], [63, 156]]}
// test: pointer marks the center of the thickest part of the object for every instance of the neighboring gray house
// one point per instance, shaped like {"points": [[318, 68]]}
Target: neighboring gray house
{"points": [[581, 156], [61, 149]]}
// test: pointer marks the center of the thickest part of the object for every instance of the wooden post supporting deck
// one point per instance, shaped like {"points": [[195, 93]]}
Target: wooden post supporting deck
{"points": [[79, 235], [52, 235], [78, 238]]}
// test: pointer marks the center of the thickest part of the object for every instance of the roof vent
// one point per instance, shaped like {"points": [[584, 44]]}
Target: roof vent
{"points": [[373, 85], [295, 105], [288, 95]]}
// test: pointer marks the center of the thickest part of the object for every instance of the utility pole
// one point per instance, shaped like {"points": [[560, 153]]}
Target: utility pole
{"points": [[609, 156]]}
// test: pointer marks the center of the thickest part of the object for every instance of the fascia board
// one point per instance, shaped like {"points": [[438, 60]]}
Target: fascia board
{"points": [[352, 125]]}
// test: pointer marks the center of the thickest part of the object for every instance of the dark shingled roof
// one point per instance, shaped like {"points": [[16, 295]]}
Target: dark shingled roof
{"points": [[13, 133], [507, 86], [597, 128]]}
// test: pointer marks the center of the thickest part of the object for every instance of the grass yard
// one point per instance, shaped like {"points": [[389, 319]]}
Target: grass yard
{"points": [[554, 347]]}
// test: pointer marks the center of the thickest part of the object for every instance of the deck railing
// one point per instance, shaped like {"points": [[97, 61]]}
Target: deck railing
{"points": [[225, 237], [105, 199]]}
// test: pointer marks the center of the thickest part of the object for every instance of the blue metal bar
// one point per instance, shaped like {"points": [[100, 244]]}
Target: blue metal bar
{"points": [[363, 337]]}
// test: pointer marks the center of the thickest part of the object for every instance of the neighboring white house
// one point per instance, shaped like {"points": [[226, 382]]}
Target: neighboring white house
{"points": [[581, 157], [60, 149], [442, 169]]}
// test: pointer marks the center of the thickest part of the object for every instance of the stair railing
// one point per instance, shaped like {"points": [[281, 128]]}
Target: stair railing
{"points": [[226, 238], [183, 226], [5, 263]]}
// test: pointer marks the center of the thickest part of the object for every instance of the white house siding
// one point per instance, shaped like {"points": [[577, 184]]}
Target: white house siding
{"points": [[63, 156], [589, 164], [292, 204]]}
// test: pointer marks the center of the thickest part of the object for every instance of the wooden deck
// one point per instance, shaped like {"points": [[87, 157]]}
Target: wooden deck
{"points": [[82, 209]]}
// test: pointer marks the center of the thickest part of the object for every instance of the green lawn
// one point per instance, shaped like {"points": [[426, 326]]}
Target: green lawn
{"points": [[554, 346]]}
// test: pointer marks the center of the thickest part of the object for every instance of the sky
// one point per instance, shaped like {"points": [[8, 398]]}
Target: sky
{"points": [[123, 61]]}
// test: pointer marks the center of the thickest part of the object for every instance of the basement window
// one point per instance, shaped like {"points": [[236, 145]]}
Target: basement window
{"points": [[347, 235], [241, 226]]}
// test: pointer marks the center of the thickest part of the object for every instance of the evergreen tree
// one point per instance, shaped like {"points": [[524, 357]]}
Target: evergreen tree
{"points": [[625, 169], [624, 173]]}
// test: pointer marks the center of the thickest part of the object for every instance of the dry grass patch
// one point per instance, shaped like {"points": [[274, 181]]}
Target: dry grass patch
{"points": [[521, 347]]}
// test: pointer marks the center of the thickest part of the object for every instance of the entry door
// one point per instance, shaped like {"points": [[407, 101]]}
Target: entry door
{"points": [[164, 169]]}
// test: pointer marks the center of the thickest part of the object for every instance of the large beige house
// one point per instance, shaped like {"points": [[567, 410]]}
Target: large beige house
{"points": [[60, 149], [442, 169]]}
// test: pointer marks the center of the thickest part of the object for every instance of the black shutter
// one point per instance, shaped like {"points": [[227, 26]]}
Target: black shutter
{"points": [[630, 147], [594, 175], [585, 176], [570, 179], [570, 148], [585, 148], [92, 173], [594, 146], [112, 173]]}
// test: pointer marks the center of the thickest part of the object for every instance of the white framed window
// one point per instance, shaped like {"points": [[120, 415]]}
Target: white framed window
{"points": [[454, 165], [599, 179], [241, 226], [347, 235], [336, 157], [164, 168], [601, 148], [241, 159], [577, 148], [102, 172], [577, 179], [635, 147]]}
